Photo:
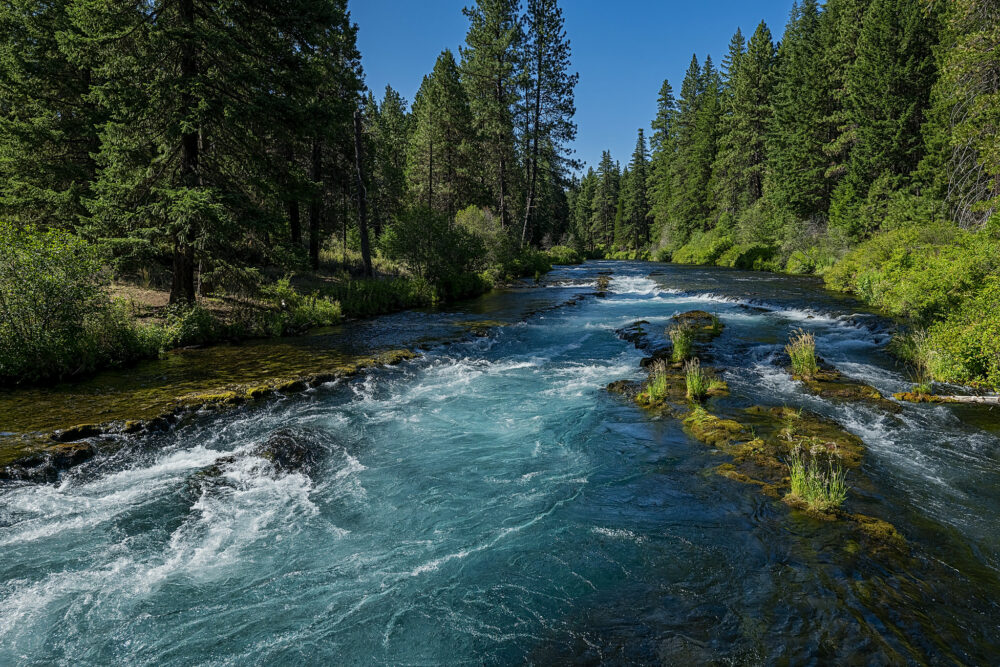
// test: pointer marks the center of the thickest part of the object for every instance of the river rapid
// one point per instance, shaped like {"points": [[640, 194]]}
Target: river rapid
{"points": [[490, 503]]}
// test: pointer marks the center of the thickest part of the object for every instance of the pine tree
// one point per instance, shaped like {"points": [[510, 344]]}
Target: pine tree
{"points": [[742, 149], [888, 88], [189, 88], [962, 165], [48, 124], [663, 144], [725, 186], [697, 137], [636, 199], [489, 60], [604, 206], [801, 100], [440, 150], [548, 100]]}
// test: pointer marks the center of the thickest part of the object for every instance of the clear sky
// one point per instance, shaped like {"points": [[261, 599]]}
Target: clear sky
{"points": [[623, 50]]}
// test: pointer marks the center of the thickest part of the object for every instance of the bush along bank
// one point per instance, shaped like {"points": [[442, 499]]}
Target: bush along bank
{"points": [[57, 320], [941, 282]]}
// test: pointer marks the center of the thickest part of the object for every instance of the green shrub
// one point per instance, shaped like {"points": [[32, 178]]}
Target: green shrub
{"points": [[432, 247], [802, 350], [920, 272], [819, 489], [752, 257], [190, 325], [682, 336], [702, 248], [965, 346], [56, 319], [560, 254]]}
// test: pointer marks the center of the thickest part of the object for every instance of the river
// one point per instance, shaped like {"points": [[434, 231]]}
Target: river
{"points": [[490, 503]]}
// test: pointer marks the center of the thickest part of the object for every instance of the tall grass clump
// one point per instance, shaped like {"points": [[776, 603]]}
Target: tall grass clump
{"points": [[802, 350], [657, 384], [697, 380], [682, 336], [819, 489]]}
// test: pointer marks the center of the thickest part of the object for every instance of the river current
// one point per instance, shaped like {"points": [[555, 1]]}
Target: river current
{"points": [[490, 503]]}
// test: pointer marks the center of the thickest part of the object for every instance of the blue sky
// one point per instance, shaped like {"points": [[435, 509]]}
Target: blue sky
{"points": [[623, 50]]}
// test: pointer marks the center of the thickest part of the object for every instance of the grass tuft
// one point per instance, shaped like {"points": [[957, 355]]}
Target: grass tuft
{"points": [[698, 381], [819, 489], [682, 336], [802, 349]]}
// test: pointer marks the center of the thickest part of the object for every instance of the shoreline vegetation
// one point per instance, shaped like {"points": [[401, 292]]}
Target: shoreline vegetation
{"points": [[233, 177]]}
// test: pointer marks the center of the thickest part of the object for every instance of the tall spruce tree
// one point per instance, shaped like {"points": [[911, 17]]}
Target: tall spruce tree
{"points": [[636, 199], [548, 101], [440, 150], [743, 146], [801, 100], [489, 72], [189, 90], [888, 92], [663, 145], [48, 122], [604, 205]]}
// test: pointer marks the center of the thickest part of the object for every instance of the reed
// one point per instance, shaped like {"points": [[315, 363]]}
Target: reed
{"points": [[802, 350]]}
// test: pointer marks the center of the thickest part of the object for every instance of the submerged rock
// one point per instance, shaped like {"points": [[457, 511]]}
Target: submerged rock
{"points": [[290, 450], [42, 461]]}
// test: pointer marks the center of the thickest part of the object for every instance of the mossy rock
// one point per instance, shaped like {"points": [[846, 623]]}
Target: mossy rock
{"points": [[79, 432], [626, 388], [832, 384], [41, 460], [881, 533], [707, 327], [785, 428], [713, 430]]}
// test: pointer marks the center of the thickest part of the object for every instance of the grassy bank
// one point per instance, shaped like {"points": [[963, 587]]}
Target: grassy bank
{"points": [[941, 280], [61, 318]]}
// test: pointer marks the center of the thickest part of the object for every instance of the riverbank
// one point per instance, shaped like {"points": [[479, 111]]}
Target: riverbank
{"points": [[940, 281]]}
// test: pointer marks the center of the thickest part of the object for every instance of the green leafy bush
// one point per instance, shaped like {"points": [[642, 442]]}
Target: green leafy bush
{"points": [[433, 247], [965, 345], [921, 272], [703, 248], [56, 319], [560, 254]]}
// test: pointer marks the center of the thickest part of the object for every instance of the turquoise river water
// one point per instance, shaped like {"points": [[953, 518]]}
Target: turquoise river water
{"points": [[490, 503]]}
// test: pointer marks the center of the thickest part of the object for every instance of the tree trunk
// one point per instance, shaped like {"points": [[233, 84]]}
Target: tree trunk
{"points": [[315, 204], [182, 283], [292, 205], [533, 178], [366, 256]]}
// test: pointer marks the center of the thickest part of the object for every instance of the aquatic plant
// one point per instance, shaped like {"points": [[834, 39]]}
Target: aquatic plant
{"points": [[698, 380], [657, 387], [802, 349], [817, 488], [682, 336]]}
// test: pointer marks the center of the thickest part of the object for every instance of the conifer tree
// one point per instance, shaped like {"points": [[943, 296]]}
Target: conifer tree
{"points": [[888, 88], [801, 100], [663, 145], [48, 123], [489, 73], [742, 149], [548, 100], [604, 206], [440, 150], [636, 198]]}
